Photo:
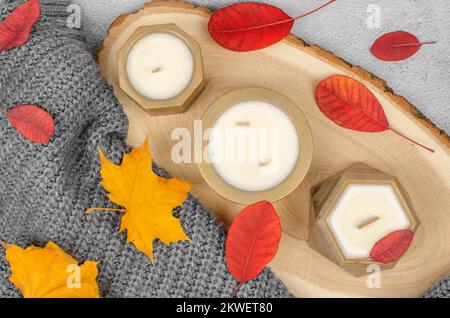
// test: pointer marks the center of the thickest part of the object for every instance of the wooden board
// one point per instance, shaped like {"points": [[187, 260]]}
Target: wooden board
{"points": [[294, 68]]}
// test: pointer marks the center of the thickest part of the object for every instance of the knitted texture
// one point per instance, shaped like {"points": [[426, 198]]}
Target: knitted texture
{"points": [[440, 290], [45, 189]]}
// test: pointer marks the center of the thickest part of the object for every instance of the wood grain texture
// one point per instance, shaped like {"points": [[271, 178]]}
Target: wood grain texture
{"points": [[294, 68]]}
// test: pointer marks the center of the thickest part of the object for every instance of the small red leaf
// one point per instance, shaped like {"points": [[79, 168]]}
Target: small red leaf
{"points": [[32, 122], [396, 46], [252, 241], [391, 247], [15, 29], [251, 26], [351, 105]]}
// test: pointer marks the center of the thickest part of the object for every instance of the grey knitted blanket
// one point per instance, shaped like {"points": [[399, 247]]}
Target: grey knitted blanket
{"points": [[45, 189]]}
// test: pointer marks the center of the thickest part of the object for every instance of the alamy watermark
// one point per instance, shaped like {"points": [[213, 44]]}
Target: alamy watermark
{"points": [[374, 277], [74, 277], [74, 18], [374, 19], [241, 145]]}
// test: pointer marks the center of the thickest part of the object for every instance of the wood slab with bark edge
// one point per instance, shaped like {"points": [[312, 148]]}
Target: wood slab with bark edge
{"points": [[294, 68]]}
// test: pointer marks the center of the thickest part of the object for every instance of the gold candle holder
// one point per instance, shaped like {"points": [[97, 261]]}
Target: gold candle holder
{"points": [[177, 104], [325, 198], [216, 182]]}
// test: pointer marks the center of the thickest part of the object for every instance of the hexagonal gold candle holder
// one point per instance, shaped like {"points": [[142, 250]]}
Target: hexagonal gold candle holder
{"points": [[183, 100], [325, 197]]}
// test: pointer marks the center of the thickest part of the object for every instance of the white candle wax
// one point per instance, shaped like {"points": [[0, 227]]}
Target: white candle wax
{"points": [[160, 66], [254, 146], [364, 214]]}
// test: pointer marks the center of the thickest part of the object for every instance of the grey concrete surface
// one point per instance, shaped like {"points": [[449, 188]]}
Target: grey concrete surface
{"points": [[343, 29]]}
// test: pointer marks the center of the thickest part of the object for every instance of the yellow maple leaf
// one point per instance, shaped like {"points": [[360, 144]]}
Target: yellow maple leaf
{"points": [[147, 198], [51, 273]]}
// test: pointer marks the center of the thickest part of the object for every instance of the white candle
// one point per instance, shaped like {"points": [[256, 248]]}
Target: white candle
{"points": [[160, 66], [254, 146], [363, 214]]}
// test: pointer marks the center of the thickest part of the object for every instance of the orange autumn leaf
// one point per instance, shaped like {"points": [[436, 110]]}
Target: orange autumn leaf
{"points": [[51, 273], [147, 198]]}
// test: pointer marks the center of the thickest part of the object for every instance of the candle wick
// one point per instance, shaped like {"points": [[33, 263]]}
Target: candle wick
{"points": [[155, 69], [368, 222], [265, 163], [243, 123]]}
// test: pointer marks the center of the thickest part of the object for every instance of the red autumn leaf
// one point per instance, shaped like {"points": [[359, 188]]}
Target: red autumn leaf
{"points": [[251, 26], [15, 29], [252, 241], [391, 247], [396, 46], [351, 105], [32, 122]]}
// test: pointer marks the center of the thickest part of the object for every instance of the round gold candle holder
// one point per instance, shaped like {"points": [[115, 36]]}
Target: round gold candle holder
{"points": [[304, 135], [177, 104], [324, 197]]}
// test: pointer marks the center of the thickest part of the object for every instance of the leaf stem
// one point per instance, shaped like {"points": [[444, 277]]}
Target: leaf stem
{"points": [[412, 44], [234, 294], [411, 140], [90, 210], [315, 10]]}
